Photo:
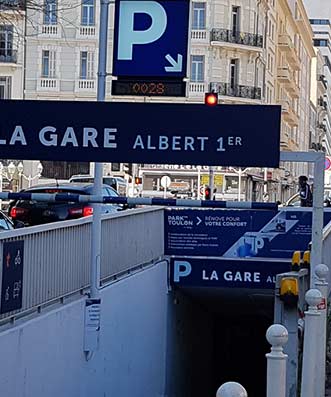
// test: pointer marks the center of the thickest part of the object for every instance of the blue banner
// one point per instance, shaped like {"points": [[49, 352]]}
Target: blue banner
{"points": [[238, 233], [140, 133], [226, 273]]}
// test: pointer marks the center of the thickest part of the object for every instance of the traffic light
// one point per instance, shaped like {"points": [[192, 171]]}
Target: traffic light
{"points": [[207, 193], [211, 98], [138, 180]]}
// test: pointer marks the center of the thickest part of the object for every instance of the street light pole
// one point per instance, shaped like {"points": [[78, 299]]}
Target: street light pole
{"points": [[29, 178]]}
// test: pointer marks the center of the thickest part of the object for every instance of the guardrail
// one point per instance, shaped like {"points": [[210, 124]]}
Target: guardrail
{"points": [[56, 258]]}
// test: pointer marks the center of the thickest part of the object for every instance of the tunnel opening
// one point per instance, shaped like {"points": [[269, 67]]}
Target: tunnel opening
{"points": [[214, 338]]}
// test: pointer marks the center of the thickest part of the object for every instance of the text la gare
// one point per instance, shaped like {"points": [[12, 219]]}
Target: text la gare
{"points": [[107, 138]]}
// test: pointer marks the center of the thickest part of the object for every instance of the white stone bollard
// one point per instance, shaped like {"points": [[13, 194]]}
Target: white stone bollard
{"points": [[310, 344], [231, 389], [322, 273], [277, 336]]}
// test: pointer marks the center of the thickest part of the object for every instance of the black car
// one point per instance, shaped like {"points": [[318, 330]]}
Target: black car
{"points": [[33, 212], [8, 224]]}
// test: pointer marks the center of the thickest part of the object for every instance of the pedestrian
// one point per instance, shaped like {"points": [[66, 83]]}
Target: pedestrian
{"points": [[305, 193]]}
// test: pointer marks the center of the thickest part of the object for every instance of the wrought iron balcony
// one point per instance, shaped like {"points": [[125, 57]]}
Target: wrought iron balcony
{"points": [[241, 91], [12, 4], [8, 56], [236, 37]]}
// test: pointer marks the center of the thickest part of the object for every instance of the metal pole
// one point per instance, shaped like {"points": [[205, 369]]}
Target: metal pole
{"points": [[239, 184], [310, 343], [211, 182], [322, 273], [199, 182], [98, 168], [317, 216], [277, 336], [1, 170]]}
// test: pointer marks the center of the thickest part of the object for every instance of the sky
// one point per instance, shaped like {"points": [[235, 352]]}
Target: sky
{"points": [[320, 9]]}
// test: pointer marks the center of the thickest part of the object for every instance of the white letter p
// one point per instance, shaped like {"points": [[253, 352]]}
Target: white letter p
{"points": [[178, 273], [127, 36]]}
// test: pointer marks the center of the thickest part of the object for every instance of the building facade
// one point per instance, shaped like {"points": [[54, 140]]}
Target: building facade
{"points": [[12, 54], [248, 51]]}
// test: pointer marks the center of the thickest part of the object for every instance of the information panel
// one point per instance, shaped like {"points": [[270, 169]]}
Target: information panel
{"points": [[238, 233], [12, 276], [152, 133]]}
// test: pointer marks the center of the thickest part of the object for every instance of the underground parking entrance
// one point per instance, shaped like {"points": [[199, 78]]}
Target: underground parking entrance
{"points": [[215, 336]]}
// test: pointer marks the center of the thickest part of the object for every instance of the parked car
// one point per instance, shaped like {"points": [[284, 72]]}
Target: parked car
{"points": [[33, 212], [7, 224], [117, 183]]}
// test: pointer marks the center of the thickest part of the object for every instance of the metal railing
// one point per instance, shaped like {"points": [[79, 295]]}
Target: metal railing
{"points": [[237, 37], [8, 56], [242, 91], [56, 260]]}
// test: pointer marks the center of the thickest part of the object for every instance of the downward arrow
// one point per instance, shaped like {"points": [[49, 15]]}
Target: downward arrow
{"points": [[176, 65]]}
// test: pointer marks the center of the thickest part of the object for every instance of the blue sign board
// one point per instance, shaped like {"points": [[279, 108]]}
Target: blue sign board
{"points": [[12, 276], [153, 133], [150, 38], [225, 273], [238, 233]]}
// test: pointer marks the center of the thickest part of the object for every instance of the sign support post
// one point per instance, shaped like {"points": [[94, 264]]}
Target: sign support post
{"points": [[318, 158], [98, 169], [91, 336]]}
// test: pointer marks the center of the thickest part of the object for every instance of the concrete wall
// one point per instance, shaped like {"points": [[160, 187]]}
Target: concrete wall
{"points": [[44, 356]]}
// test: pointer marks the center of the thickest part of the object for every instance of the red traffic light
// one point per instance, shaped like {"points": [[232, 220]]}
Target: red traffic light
{"points": [[207, 193], [211, 98]]}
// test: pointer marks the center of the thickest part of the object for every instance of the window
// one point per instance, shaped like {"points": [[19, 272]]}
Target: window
{"points": [[86, 65], [235, 21], [199, 16], [88, 13], [234, 73], [197, 68], [6, 42], [319, 21], [50, 12], [48, 64], [5, 87]]}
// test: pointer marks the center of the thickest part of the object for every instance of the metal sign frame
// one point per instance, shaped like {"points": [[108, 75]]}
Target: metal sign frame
{"points": [[318, 159]]}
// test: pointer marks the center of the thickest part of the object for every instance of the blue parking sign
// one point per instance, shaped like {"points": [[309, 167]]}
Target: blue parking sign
{"points": [[151, 38]]}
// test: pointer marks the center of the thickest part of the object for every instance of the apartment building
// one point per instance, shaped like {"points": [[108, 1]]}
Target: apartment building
{"points": [[248, 51], [11, 49]]}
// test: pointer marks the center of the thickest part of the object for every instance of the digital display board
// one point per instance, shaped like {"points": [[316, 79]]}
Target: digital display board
{"points": [[149, 88]]}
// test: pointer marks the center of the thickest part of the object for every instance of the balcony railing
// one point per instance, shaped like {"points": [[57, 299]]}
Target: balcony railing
{"points": [[197, 88], [8, 56], [86, 84], [87, 31], [198, 34], [243, 38], [241, 91], [48, 83], [12, 4], [51, 30], [323, 80]]}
